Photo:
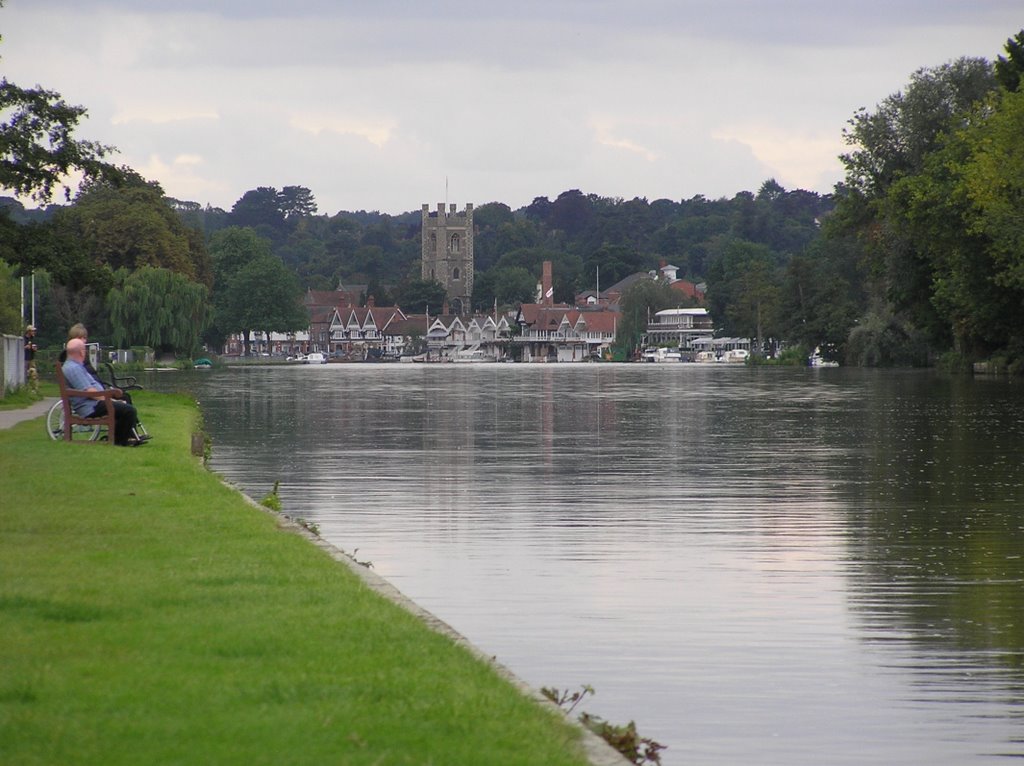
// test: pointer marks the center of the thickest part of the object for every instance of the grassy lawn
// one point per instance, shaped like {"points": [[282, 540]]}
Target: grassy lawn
{"points": [[23, 396], [148, 615]]}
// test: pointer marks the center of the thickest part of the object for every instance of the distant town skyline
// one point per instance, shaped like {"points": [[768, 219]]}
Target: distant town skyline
{"points": [[385, 106]]}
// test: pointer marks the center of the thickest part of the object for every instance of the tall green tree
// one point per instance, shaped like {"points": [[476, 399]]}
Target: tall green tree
{"points": [[48, 246], [1010, 68], [994, 181], [893, 140], [743, 286], [890, 172], [820, 299], [754, 310], [231, 250], [10, 301], [296, 202], [514, 285], [158, 308], [639, 303], [259, 209], [417, 296], [132, 225], [37, 146], [263, 295]]}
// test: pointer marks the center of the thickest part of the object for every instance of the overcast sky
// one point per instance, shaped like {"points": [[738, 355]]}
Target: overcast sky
{"points": [[374, 104]]}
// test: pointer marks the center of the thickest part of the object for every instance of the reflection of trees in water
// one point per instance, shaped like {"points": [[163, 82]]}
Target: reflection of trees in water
{"points": [[936, 533]]}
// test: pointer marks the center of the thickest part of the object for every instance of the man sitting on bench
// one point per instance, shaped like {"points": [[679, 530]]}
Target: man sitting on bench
{"points": [[78, 377]]}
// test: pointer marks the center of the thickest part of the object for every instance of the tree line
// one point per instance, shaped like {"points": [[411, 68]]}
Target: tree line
{"points": [[915, 257]]}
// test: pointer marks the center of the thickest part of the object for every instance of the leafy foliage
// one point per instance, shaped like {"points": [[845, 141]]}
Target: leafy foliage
{"points": [[917, 251], [932, 214], [37, 145], [10, 301], [894, 140], [131, 225], [262, 295], [639, 303], [158, 308], [624, 739], [1009, 69], [417, 296]]}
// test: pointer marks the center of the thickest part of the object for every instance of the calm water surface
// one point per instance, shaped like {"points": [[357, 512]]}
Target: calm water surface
{"points": [[758, 566]]}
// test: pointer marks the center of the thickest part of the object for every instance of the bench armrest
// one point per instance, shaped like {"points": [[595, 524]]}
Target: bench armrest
{"points": [[106, 393]]}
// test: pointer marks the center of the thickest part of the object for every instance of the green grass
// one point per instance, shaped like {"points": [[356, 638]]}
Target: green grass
{"points": [[150, 615], [22, 397]]}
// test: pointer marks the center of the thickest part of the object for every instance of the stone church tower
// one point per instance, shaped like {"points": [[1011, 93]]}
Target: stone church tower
{"points": [[447, 253]]}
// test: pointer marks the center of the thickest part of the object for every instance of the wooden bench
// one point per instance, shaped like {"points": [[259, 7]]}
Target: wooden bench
{"points": [[71, 419]]}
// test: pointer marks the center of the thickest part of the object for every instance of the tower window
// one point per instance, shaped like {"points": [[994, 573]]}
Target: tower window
{"points": [[455, 243], [455, 273]]}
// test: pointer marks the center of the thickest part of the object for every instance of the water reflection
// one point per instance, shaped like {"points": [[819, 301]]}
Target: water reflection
{"points": [[758, 566]]}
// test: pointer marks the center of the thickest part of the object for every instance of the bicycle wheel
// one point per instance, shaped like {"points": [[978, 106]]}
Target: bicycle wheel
{"points": [[55, 426]]}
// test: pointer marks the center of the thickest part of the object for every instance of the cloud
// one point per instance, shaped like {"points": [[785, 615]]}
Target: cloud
{"points": [[373, 105], [160, 113], [376, 132]]}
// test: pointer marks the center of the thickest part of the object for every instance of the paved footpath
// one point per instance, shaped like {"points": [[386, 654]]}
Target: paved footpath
{"points": [[9, 418]]}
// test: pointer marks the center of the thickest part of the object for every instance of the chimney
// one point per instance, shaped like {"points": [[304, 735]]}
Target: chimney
{"points": [[370, 302], [547, 291]]}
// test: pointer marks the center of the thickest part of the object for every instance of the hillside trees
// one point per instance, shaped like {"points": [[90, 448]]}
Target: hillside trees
{"points": [[132, 225], [272, 213], [418, 296]]}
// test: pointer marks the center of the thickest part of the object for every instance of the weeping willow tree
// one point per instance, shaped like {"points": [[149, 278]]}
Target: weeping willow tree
{"points": [[158, 308]]}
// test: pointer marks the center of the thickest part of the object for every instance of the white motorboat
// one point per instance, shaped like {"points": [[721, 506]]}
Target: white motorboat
{"points": [[662, 355], [739, 355]]}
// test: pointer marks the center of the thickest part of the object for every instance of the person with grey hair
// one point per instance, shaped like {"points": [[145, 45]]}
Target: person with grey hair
{"points": [[126, 417]]}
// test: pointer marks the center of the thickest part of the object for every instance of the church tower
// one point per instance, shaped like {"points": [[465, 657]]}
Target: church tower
{"points": [[447, 253]]}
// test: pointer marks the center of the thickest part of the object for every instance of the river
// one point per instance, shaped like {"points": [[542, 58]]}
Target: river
{"points": [[757, 565]]}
